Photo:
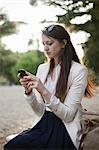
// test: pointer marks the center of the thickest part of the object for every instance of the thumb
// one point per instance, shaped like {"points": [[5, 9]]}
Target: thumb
{"points": [[28, 73]]}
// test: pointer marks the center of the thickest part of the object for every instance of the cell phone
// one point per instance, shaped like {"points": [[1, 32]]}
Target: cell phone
{"points": [[21, 73]]}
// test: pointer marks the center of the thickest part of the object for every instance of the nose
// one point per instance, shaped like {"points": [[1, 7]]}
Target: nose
{"points": [[46, 48]]}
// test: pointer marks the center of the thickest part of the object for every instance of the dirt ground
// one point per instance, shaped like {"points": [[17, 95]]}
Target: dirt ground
{"points": [[15, 112], [17, 115]]}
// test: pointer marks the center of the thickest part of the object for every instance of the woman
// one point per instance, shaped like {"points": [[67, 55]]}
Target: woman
{"points": [[55, 95]]}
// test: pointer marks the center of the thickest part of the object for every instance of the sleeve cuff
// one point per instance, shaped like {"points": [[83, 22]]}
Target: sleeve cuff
{"points": [[54, 101], [30, 98]]}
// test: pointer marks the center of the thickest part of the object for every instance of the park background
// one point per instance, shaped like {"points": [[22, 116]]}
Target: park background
{"points": [[21, 22]]}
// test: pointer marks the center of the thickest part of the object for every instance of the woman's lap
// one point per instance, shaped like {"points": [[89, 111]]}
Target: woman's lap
{"points": [[49, 133]]}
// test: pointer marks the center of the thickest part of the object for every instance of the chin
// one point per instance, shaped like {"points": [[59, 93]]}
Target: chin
{"points": [[49, 56]]}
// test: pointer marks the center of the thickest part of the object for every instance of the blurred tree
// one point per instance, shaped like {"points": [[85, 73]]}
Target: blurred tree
{"points": [[7, 57], [2, 57], [30, 44], [7, 27], [88, 9], [28, 61], [10, 62], [7, 61]]}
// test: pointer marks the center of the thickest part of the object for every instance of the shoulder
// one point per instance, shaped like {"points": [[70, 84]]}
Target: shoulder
{"points": [[78, 69], [43, 66], [42, 69]]}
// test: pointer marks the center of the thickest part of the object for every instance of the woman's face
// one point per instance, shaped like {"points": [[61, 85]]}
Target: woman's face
{"points": [[52, 47]]}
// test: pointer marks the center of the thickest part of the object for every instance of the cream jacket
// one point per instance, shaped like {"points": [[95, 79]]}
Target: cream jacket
{"points": [[69, 111]]}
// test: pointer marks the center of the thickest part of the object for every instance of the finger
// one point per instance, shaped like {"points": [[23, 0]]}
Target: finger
{"points": [[24, 82], [30, 84], [28, 73], [30, 77]]}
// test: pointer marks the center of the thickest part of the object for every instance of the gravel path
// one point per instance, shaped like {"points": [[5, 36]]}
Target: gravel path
{"points": [[16, 114]]}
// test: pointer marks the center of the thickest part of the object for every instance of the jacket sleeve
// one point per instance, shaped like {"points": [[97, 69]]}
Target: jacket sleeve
{"points": [[37, 107], [67, 110]]}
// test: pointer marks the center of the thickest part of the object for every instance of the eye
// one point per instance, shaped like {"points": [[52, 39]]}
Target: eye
{"points": [[43, 43], [49, 43]]}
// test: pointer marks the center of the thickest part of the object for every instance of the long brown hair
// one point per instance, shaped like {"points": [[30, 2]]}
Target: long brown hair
{"points": [[59, 32]]}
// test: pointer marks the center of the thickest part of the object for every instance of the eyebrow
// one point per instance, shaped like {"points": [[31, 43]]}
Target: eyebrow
{"points": [[47, 41]]}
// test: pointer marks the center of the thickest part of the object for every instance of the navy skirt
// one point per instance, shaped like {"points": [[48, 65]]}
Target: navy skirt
{"points": [[48, 134]]}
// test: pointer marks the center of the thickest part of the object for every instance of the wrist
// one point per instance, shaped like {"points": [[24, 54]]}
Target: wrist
{"points": [[46, 95], [28, 92]]}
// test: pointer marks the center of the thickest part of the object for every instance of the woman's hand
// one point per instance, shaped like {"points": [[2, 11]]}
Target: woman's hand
{"points": [[31, 81]]}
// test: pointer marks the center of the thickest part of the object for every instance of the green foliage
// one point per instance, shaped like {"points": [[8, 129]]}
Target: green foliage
{"points": [[10, 63], [28, 61], [7, 60]]}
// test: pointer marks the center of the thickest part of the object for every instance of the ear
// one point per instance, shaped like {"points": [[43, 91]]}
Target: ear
{"points": [[64, 43]]}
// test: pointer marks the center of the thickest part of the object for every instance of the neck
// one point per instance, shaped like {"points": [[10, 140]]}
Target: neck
{"points": [[56, 62]]}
